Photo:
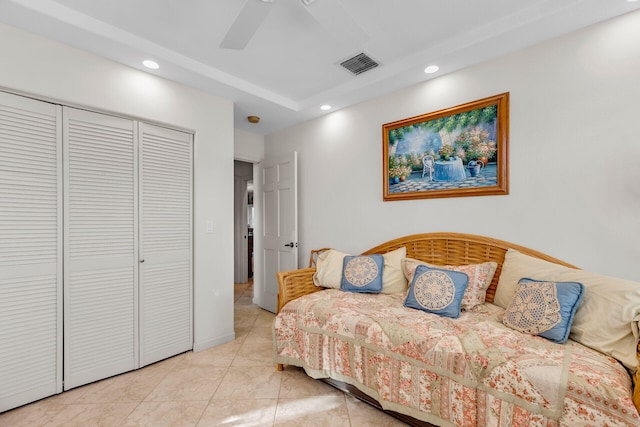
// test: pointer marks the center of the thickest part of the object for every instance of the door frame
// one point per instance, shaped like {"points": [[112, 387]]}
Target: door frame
{"points": [[258, 262]]}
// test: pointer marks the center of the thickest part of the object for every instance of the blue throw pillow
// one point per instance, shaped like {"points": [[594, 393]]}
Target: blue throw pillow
{"points": [[544, 308], [437, 291], [362, 273]]}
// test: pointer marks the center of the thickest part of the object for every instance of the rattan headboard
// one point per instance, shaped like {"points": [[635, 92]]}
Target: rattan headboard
{"points": [[459, 249]]}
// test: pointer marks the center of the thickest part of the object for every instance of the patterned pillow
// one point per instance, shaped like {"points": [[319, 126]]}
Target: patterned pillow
{"points": [[544, 308], [437, 291], [362, 273], [480, 276], [607, 298]]}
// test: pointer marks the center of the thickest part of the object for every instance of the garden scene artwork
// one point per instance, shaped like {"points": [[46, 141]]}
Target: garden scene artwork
{"points": [[460, 151]]}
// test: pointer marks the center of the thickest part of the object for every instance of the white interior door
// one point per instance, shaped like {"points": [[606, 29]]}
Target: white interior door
{"points": [[165, 243], [100, 255], [279, 226], [30, 250]]}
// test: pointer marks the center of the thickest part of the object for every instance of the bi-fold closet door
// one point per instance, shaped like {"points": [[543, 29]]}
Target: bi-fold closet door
{"points": [[127, 257], [166, 274], [95, 242], [30, 250], [100, 246]]}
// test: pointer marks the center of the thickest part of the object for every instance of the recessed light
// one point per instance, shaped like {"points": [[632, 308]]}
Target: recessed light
{"points": [[325, 107], [431, 69], [150, 64]]}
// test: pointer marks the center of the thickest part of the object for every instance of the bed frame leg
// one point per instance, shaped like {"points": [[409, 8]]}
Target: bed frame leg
{"points": [[280, 367]]}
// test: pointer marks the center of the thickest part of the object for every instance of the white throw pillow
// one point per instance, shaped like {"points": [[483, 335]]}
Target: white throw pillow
{"points": [[607, 320], [329, 270]]}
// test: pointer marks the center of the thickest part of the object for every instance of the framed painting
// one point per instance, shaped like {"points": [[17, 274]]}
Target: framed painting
{"points": [[455, 152]]}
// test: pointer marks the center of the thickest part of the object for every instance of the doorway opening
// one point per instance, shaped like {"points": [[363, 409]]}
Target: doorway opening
{"points": [[244, 221]]}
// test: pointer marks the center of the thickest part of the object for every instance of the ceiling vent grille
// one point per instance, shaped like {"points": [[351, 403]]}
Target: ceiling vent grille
{"points": [[359, 64]]}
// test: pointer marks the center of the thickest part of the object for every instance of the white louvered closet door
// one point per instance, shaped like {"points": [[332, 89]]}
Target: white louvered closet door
{"points": [[30, 250], [165, 243], [100, 255]]}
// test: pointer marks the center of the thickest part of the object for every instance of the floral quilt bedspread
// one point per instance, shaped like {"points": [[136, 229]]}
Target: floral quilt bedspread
{"points": [[470, 371]]}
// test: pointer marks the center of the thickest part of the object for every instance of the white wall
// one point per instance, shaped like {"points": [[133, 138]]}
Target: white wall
{"points": [[34, 65], [574, 156], [248, 147]]}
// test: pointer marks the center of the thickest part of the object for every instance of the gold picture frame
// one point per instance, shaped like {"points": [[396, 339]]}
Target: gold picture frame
{"points": [[456, 152]]}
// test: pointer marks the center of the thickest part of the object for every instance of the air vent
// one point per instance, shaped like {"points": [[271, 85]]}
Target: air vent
{"points": [[359, 64]]}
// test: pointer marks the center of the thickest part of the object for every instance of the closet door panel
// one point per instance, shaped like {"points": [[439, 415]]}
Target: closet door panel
{"points": [[101, 268], [30, 250], [165, 243]]}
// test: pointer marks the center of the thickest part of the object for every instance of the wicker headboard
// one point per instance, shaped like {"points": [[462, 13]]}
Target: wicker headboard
{"points": [[459, 249], [436, 248]]}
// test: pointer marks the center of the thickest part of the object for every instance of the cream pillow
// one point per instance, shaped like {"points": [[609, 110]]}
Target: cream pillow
{"points": [[607, 320], [329, 270]]}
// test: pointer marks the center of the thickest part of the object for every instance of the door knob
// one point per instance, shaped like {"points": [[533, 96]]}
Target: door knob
{"points": [[141, 260], [291, 245]]}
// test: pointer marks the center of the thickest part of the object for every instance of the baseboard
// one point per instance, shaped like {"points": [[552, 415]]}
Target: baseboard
{"points": [[212, 343]]}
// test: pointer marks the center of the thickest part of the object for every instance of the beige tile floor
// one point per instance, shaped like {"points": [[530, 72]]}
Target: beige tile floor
{"points": [[234, 384]]}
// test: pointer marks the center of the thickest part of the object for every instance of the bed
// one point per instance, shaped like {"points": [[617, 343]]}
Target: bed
{"points": [[431, 370]]}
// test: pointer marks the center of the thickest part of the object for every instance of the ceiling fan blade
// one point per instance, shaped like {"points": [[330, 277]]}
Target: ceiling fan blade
{"points": [[246, 24], [332, 15]]}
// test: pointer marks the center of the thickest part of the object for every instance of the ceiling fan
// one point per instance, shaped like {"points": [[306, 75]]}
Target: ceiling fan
{"points": [[330, 14]]}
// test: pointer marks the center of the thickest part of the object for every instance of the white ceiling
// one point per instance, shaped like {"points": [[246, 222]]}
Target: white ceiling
{"points": [[288, 69]]}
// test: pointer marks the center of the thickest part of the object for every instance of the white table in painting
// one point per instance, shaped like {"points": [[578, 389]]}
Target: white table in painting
{"points": [[449, 170]]}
